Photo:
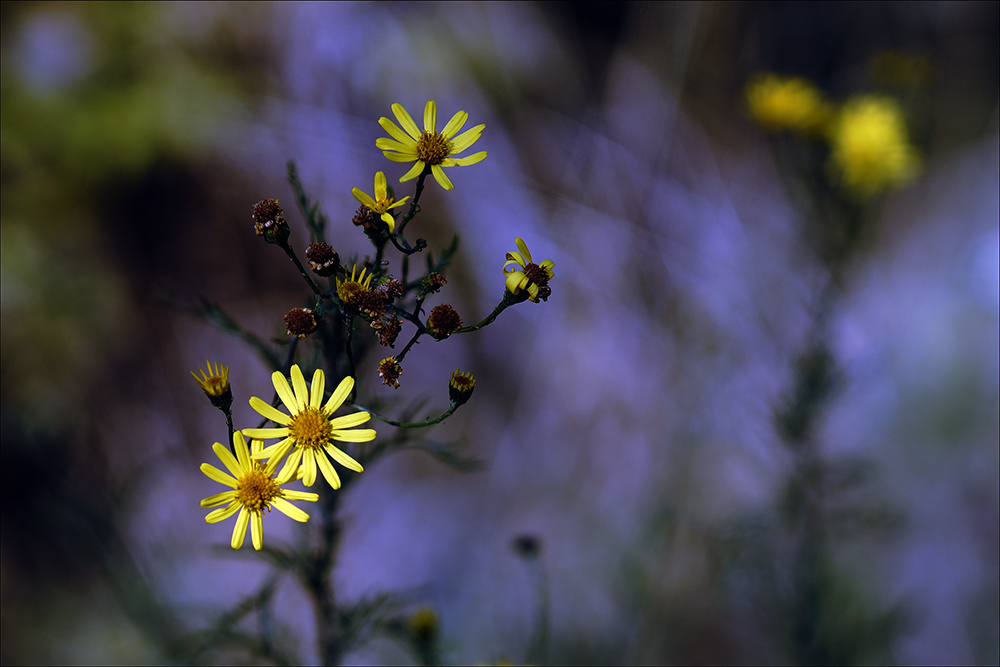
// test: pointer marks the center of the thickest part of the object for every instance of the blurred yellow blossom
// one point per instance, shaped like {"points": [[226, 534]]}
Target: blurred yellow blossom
{"points": [[870, 147], [787, 103]]}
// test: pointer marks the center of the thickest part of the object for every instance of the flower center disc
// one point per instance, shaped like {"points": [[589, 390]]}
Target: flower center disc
{"points": [[255, 491], [310, 428], [432, 148]]}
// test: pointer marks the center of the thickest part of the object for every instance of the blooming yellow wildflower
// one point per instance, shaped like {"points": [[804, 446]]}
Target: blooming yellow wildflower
{"points": [[429, 148], [534, 278], [308, 431], [786, 103], [382, 203], [869, 146], [254, 491]]}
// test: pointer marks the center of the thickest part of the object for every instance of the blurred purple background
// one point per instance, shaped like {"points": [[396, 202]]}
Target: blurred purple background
{"points": [[628, 422]]}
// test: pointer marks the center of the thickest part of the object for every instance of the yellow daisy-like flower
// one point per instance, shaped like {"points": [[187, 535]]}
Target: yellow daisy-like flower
{"points": [[534, 278], [382, 203], [347, 290], [430, 147], [870, 147], [254, 491], [308, 431], [787, 103]]}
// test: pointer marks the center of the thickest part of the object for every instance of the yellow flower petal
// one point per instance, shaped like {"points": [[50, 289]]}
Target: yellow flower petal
{"points": [[339, 395], [347, 421], [454, 125], [290, 510], [343, 459], [284, 392], [228, 459], [240, 529], [299, 385], [430, 117], [381, 186], [331, 476], [466, 139], [257, 530], [363, 198], [355, 435], [397, 133], [223, 513], [415, 170], [308, 467], [218, 499], [441, 177], [405, 121]]}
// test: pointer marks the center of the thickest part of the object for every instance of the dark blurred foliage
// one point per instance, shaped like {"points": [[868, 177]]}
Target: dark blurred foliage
{"points": [[641, 425]]}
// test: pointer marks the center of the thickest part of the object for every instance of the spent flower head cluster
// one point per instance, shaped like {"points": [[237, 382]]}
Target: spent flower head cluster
{"points": [[315, 431]]}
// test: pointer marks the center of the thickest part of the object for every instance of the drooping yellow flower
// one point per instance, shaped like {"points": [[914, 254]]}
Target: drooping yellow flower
{"points": [[870, 147], [309, 429], [534, 278], [254, 491], [430, 147], [382, 203], [786, 103]]}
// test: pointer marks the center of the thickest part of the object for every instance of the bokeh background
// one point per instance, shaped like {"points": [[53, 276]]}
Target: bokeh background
{"points": [[628, 424]]}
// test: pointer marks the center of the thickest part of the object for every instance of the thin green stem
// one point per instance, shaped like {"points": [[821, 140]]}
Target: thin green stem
{"points": [[302, 271], [507, 301], [430, 422]]}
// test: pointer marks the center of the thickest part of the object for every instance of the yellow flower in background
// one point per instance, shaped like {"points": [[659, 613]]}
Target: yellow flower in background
{"points": [[308, 430], [382, 203], [429, 147], [787, 103], [870, 147], [531, 277], [254, 491]]}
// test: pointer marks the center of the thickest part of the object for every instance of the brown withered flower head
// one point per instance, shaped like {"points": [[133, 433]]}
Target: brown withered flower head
{"points": [[387, 328], [432, 283], [269, 221], [443, 321], [389, 370], [300, 322], [363, 217], [323, 259]]}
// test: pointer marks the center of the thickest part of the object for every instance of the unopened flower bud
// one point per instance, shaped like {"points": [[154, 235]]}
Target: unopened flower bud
{"points": [[460, 387]]}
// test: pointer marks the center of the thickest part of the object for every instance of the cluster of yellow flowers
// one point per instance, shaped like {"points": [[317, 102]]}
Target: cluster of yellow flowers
{"points": [[307, 433], [869, 144]]}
